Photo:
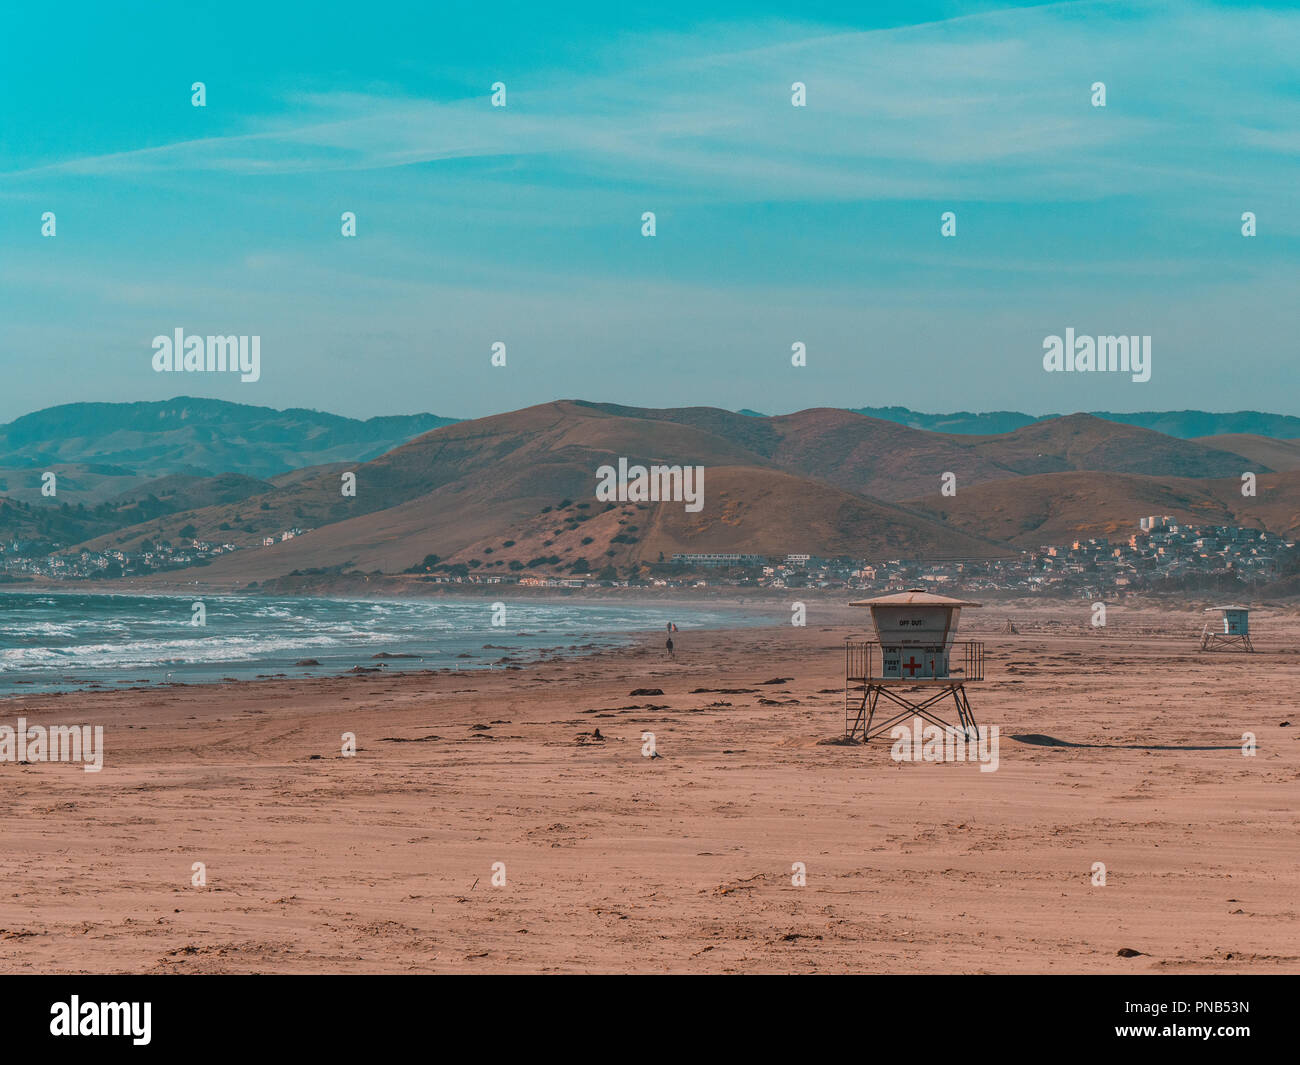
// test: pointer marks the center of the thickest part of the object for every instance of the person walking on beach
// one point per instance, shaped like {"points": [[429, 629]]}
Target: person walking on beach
{"points": [[670, 647]]}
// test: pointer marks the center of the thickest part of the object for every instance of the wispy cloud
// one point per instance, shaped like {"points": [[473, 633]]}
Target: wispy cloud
{"points": [[992, 107]]}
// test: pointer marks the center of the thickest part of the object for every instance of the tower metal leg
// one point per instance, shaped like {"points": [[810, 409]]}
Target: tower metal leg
{"points": [[874, 697], [964, 713], [866, 718]]}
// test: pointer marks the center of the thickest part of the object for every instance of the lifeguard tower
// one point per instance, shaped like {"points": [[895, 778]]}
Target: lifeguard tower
{"points": [[1236, 630], [914, 649]]}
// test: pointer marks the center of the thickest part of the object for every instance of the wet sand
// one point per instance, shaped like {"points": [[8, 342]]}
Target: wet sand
{"points": [[383, 862]]}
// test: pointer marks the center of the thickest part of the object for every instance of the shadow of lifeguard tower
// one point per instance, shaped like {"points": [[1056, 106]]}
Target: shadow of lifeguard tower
{"points": [[1236, 630], [914, 649]]}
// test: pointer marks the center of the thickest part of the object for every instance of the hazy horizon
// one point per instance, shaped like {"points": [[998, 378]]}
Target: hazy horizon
{"points": [[577, 399]]}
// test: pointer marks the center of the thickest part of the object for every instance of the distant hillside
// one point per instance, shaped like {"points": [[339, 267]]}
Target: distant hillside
{"points": [[1184, 424], [516, 492], [1188, 424], [881, 458], [197, 437], [76, 483], [30, 516], [1002, 421], [749, 510], [1056, 508], [491, 490], [1263, 450]]}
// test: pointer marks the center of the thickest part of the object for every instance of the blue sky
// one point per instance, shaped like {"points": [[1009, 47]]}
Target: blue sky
{"points": [[775, 224]]}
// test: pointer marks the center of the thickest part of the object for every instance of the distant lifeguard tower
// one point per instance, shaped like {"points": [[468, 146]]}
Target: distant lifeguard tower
{"points": [[914, 648], [1236, 630]]}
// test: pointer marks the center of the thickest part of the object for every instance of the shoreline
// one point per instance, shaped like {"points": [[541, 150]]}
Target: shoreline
{"points": [[455, 645], [385, 587]]}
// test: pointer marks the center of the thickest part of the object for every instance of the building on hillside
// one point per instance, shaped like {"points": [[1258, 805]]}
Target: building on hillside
{"points": [[719, 558]]}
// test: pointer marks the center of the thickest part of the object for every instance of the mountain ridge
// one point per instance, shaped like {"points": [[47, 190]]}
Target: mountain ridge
{"points": [[197, 436], [516, 490], [1184, 424], [204, 437]]}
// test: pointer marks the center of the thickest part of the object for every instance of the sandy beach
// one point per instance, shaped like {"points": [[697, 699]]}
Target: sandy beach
{"points": [[383, 862]]}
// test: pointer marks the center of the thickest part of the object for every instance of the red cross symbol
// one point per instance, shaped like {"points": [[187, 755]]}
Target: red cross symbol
{"points": [[912, 665]]}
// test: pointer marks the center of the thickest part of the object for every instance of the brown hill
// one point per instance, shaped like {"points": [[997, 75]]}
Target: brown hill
{"points": [[537, 526], [748, 511], [465, 488], [538, 454], [179, 491], [891, 461], [1280, 455], [1056, 508], [76, 483], [516, 491], [1085, 442]]}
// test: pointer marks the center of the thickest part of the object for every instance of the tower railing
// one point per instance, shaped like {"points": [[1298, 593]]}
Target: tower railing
{"points": [[864, 662]]}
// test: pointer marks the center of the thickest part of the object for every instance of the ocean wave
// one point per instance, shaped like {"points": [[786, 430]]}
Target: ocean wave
{"points": [[103, 635], [141, 654]]}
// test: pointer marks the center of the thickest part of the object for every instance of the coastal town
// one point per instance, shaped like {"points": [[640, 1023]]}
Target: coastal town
{"points": [[1160, 553]]}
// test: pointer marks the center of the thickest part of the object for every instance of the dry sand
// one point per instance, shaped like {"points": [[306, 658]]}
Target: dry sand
{"points": [[614, 862]]}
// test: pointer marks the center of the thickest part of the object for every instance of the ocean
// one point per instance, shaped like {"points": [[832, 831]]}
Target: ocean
{"points": [[51, 642]]}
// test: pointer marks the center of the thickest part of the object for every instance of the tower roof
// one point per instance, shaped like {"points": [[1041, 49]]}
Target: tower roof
{"points": [[914, 597]]}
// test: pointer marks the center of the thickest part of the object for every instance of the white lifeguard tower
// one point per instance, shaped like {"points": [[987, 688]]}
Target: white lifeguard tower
{"points": [[914, 648], [1236, 630]]}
